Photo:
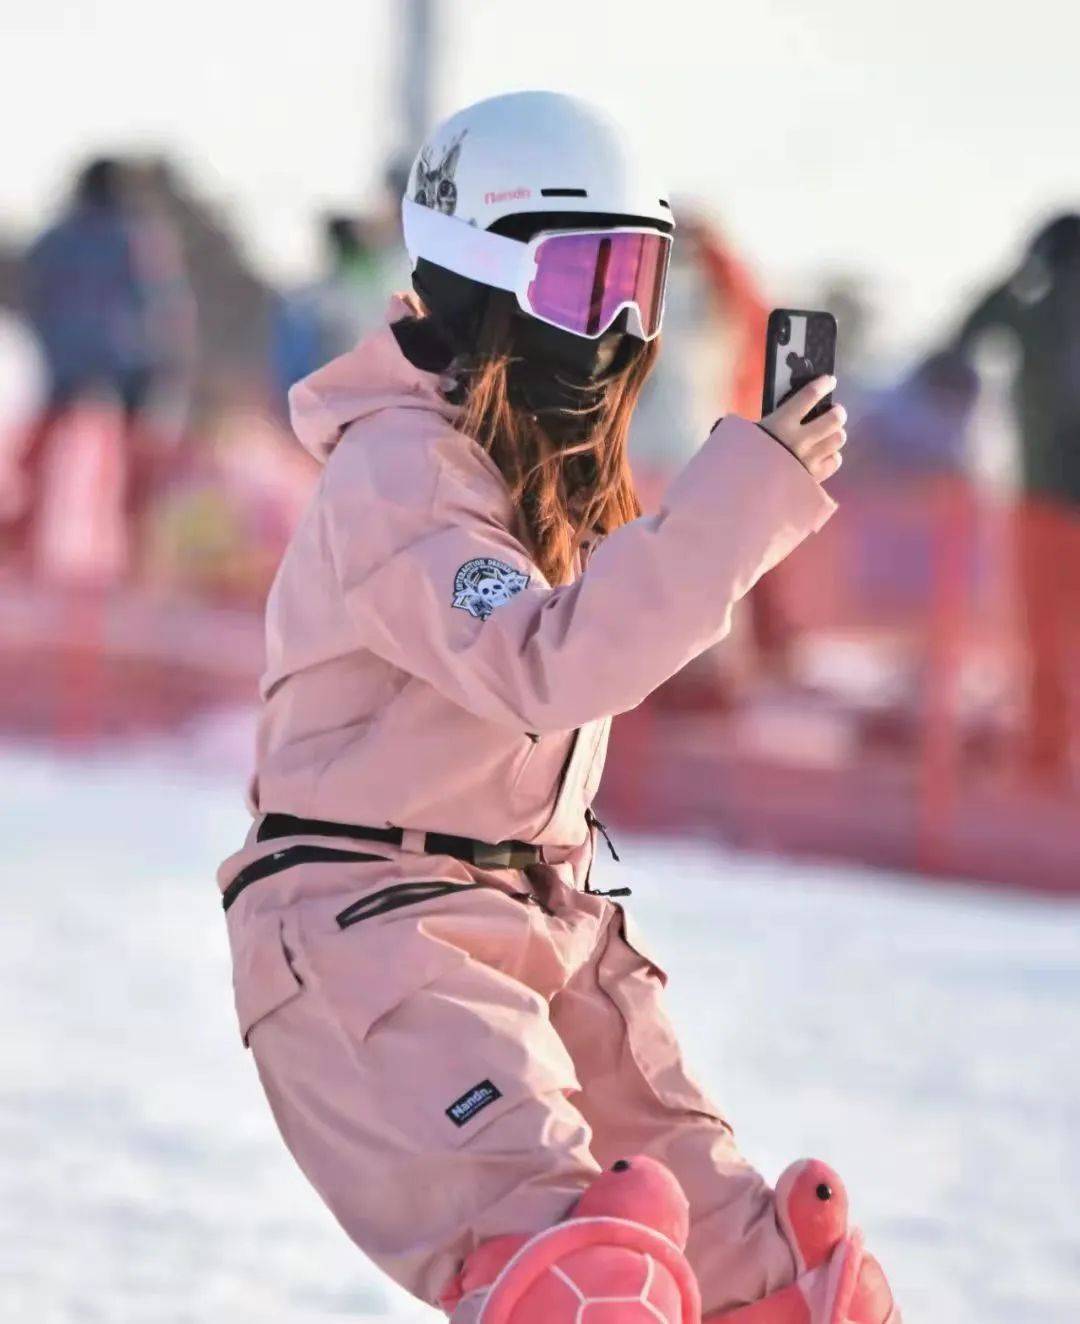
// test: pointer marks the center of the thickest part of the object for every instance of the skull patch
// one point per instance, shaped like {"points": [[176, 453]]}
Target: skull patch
{"points": [[483, 584]]}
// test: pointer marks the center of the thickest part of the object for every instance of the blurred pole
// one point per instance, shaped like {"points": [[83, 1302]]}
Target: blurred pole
{"points": [[417, 70]]}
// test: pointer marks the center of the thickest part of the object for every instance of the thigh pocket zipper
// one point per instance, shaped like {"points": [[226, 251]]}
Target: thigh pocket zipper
{"points": [[412, 894]]}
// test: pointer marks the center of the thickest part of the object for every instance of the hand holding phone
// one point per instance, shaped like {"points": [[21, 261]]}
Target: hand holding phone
{"points": [[797, 405], [815, 439]]}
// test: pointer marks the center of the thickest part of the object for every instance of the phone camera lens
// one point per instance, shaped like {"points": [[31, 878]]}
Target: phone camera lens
{"points": [[783, 331]]}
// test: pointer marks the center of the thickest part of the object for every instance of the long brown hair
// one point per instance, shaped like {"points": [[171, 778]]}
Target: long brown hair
{"points": [[561, 492]]}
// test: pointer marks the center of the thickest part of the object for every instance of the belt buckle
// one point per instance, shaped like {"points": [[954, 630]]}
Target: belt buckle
{"points": [[502, 855]]}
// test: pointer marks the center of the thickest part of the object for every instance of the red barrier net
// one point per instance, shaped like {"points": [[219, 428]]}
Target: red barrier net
{"points": [[904, 690]]}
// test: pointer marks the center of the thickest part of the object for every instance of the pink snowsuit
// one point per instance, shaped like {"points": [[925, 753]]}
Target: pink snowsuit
{"points": [[453, 1051]]}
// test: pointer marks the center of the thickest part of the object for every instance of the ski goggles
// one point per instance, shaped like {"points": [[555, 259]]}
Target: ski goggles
{"points": [[583, 279], [577, 280]]}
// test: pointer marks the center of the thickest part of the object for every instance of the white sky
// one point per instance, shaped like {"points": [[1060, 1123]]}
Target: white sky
{"points": [[914, 144]]}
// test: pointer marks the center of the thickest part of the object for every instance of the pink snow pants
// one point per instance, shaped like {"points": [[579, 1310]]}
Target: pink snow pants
{"points": [[450, 1061]]}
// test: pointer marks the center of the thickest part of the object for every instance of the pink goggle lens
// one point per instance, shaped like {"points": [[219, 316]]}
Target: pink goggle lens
{"points": [[582, 280]]}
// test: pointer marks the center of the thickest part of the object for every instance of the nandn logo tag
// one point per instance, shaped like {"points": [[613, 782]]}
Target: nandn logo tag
{"points": [[465, 1109]]}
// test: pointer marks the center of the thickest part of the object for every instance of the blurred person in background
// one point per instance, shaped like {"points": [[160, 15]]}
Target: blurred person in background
{"points": [[317, 322], [456, 1032], [1038, 306], [229, 358], [917, 428], [106, 295]]}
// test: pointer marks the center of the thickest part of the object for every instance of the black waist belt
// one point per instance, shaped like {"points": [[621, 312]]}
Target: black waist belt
{"points": [[500, 855], [487, 855]]}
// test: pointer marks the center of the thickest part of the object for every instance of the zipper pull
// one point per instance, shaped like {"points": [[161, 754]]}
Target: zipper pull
{"points": [[613, 891], [594, 822]]}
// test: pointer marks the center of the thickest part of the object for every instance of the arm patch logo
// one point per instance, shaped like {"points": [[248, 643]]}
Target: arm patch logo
{"points": [[483, 584]]}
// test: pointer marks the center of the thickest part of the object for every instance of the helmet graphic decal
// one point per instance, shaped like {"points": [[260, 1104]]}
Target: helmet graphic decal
{"points": [[435, 187], [483, 584]]}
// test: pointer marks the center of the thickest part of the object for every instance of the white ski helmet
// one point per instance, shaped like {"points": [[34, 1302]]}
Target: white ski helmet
{"points": [[515, 154]]}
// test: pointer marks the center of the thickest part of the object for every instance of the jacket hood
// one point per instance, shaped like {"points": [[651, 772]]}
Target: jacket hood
{"points": [[373, 375]]}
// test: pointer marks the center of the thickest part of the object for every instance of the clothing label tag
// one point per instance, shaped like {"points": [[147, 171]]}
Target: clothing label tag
{"points": [[465, 1109]]}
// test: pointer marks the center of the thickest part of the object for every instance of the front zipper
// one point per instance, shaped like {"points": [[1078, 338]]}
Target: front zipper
{"points": [[527, 758], [565, 771], [563, 774]]}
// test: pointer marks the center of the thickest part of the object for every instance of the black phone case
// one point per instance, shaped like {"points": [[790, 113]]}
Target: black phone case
{"points": [[789, 367]]}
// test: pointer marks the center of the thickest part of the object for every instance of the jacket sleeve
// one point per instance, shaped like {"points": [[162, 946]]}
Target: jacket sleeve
{"points": [[654, 594]]}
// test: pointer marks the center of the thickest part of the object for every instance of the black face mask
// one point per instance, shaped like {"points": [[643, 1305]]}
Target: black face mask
{"points": [[559, 377], [554, 375]]}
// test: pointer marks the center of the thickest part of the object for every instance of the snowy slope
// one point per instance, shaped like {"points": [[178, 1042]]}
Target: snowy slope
{"points": [[924, 1040]]}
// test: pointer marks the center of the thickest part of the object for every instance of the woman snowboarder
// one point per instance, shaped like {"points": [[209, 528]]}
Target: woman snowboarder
{"points": [[462, 1041]]}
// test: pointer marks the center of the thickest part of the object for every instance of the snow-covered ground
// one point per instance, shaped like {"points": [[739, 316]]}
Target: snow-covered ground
{"points": [[925, 1040]]}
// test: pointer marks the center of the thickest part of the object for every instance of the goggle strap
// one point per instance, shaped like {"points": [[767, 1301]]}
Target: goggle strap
{"points": [[491, 259]]}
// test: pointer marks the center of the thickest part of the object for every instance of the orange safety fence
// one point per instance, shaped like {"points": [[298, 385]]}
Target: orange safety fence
{"points": [[926, 712], [904, 689]]}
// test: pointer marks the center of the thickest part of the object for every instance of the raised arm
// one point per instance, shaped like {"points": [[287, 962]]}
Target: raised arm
{"points": [[496, 640]]}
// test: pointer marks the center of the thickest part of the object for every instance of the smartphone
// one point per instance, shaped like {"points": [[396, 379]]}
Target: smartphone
{"points": [[799, 346]]}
